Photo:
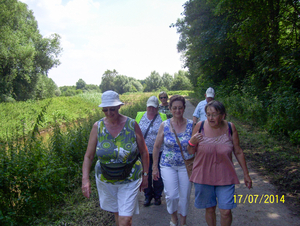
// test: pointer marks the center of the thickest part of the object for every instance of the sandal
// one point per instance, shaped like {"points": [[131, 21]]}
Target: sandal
{"points": [[172, 224]]}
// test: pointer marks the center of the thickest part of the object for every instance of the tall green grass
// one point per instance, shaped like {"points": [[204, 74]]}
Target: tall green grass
{"points": [[18, 118]]}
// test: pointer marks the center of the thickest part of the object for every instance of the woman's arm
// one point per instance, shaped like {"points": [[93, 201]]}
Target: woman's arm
{"points": [[87, 162], [144, 154], [156, 148], [239, 154], [195, 139]]}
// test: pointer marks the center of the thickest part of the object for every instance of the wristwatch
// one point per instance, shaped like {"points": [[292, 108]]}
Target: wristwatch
{"points": [[145, 174]]}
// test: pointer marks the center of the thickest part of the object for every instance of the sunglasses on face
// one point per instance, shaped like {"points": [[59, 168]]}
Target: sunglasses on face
{"points": [[110, 109], [163, 98], [177, 108]]}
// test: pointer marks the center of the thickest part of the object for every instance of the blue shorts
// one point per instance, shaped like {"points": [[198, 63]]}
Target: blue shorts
{"points": [[206, 196]]}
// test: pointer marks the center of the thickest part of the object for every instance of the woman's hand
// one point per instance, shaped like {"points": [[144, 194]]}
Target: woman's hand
{"points": [[155, 173], [86, 188], [144, 183], [248, 181], [196, 138]]}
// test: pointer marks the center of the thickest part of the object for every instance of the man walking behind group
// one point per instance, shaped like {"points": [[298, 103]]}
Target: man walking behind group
{"points": [[199, 113]]}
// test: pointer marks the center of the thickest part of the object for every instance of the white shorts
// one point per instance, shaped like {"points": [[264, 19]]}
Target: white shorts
{"points": [[121, 198]]}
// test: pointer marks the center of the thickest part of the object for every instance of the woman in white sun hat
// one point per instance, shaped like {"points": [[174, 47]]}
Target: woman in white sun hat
{"points": [[120, 174]]}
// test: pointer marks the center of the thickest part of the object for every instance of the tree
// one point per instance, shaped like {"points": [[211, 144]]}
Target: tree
{"points": [[24, 53], [80, 84], [209, 55], [120, 82], [46, 88], [181, 82], [153, 82], [167, 80], [107, 82], [137, 85]]}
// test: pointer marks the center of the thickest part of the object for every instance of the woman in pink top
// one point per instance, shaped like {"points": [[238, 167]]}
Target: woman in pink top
{"points": [[214, 140]]}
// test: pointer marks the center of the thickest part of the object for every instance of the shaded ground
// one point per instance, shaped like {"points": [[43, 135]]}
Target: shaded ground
{"points": [[262, 205]]}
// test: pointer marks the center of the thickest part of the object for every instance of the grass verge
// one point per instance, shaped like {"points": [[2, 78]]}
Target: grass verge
{"points": [[78, 210]]}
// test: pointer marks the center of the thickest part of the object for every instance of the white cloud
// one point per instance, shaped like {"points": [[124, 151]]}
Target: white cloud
{"points": [[131, 36]]}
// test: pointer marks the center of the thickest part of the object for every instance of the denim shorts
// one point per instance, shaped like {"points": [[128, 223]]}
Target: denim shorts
{"points": [[206, 196]]}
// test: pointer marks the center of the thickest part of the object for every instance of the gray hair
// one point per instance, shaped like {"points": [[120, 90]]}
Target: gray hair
{"points": [[161, 93]]}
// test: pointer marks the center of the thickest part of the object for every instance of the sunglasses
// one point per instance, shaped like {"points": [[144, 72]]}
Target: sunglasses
{"points": [[177, 108], [163, 97], [110, 109]]}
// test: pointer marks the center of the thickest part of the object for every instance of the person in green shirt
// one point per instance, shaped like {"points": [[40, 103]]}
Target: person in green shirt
{"points": [[149, 122]]}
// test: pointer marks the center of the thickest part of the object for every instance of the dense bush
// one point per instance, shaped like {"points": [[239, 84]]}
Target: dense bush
{"points": [[278, 115]]}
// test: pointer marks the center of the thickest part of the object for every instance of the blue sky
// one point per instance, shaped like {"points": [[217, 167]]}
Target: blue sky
{"points": [[131, 36]]}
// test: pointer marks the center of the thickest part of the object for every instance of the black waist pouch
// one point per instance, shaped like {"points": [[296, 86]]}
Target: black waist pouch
{"points": [[117, 171]]}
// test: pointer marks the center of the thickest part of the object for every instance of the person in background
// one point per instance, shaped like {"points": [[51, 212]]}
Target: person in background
{"points": [[164, 106], [213, 142], [199, 112], [149, 122], [120, 174], [177, 187]]}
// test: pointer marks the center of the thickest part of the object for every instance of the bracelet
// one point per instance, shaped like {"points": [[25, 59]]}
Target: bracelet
{"points": [[192, 145]]}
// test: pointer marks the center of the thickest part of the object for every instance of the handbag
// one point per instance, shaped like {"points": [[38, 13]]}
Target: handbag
{"points": [[117, 171], [188, 162]]}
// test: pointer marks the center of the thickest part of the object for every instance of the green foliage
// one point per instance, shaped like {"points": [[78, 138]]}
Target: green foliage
{"points": [[181, 82], [111, 80], [153, 82], [167, 81], [37, 175], [284, 113], [249, 52], [65, 109], [24, 53], [45, 88], [107, 82], [80, 84]]}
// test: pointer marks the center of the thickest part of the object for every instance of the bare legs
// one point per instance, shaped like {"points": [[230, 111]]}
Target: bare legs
{"points": [[210, 216], [226, 217], [123, 220]]}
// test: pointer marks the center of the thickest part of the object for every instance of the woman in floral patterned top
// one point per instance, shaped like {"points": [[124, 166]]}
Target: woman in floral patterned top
{"points": [[117, 140], [177, 186], [164, 106]]}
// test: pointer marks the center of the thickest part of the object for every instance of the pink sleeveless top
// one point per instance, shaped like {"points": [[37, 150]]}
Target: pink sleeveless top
{"points": [[213, 161]]}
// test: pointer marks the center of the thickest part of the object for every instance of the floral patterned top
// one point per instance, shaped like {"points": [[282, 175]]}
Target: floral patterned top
{"points": [[171, 155], [165, 110], [153, 130], [122, 149]]}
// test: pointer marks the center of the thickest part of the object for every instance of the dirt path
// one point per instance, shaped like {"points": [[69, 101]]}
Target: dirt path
{"points": [[246, 214]]}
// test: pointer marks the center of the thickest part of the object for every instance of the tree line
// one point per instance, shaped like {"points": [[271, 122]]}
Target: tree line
{"points": [[112, 80], [249, 51]]}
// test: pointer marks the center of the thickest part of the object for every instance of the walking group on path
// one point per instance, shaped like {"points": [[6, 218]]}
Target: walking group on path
{"points": [[152, 154]]}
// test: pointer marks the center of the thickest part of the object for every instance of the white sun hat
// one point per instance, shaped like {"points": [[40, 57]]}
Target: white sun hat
{"points": [[110, 99]]}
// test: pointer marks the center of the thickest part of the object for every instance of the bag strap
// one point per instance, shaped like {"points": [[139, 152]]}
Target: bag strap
{"points": [[178, 142], [201, 126], [149, 126], [229, 127]]}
